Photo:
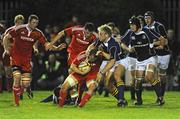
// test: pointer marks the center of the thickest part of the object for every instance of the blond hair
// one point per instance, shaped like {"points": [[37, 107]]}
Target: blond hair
{"points": [[18, 17], [107, 29]]}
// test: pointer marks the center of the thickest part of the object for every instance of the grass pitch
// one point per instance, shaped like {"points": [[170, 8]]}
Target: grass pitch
{"points": [[97, 108]]}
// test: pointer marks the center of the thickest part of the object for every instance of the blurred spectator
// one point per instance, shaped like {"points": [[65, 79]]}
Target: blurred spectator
{"points": [[52, 76], [115, 31], [56, 29], [47, 31], [178, 71], [2, 29]]}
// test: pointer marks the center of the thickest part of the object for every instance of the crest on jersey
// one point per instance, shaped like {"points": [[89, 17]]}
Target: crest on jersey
{"points": [[152, 27], [133, 38], [143, 37]]}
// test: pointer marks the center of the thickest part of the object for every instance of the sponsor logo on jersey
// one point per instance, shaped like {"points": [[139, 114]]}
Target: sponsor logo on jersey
{"points": [[27, 39]]}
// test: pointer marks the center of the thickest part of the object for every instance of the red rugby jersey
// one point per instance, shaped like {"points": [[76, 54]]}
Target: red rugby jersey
{"points": [[24, 39]]}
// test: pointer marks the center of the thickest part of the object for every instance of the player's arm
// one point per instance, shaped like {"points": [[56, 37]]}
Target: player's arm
{"points": [[125, 47], [58, 36], [35, 47], [161, 40], [6, 42], [59, 47], [75, 69], [112, 60], [108, 66], [92, 46], [162, 30], [103, 54]]}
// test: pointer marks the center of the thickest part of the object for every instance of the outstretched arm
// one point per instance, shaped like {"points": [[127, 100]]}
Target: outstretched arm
{"points": [[58, 36]]}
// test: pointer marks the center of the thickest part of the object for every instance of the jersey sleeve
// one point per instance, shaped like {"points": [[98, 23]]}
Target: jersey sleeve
{"points": [[13, 32], [151, 35], [162, 31], [96, 42], [113, 52], [126, 37], [42, 38], [69, 31], [79, 58], [76, 61]]}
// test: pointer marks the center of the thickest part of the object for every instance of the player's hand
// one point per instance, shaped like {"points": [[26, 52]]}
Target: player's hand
{"points": [[159, 47], [99, 53], [99, 77], [48, 46], [131, 49], [36, 51], [61, 46], [85, 71], [6, 53]]}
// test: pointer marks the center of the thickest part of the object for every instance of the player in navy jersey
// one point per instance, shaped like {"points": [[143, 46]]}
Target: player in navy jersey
{"points": [[163, 53], [111, 48], [131, 59], [125, 44], [142, 42]]}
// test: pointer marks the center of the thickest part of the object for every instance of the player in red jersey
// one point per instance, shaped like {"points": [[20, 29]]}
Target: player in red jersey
{"points": [[24, 37], [82, 37], [18, 20], [77, 75]]}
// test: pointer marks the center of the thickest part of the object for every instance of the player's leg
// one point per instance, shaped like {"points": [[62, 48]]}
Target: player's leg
{"points": [[131, 68], [139, 74], [113, 89], [25, 84], [132, 89], [149, 75], [163, 65], [81, 88], [16, 83], [92, 85], [118, 73], [69, 82]]}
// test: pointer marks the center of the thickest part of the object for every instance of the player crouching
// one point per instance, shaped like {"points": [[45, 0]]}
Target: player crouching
{"points": [[84, 68]]}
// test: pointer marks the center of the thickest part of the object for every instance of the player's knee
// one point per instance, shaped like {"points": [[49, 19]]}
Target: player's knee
{"points": [[17, 78], [92, 85], [132, 82], [65, 86], [149, 77], [26, 80]]}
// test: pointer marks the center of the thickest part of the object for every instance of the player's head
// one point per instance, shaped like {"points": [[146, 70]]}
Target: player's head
{"points": [[115, 30], [33, 21], [149, 17], [134, 23], [104, 32], [19, 19], [88, 29], [92, 57], [141, 18], [111, 24]]}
